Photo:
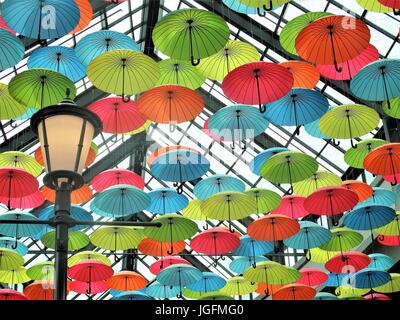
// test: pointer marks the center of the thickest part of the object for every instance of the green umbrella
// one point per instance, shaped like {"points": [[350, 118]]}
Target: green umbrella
{"points": [[76, 240], [343, 239], [349, 290], [349, 121], [350, 297], [174, 71], [234, 54], [291, 30], [173, 228], [392, 286], [321, 256], [229, 205], [20, 160], [216, 297], [14, 276], [41, 271], [191, 294], [394, 110], [318, 180], [190, 34], [238, 286], [289, 167], [9, 259], [266, 200], [40, 88], [193, 210], [123, 72], [267, 5], [354, 157], [88, 255], [392, 228], [374, 6], [9, 107]]}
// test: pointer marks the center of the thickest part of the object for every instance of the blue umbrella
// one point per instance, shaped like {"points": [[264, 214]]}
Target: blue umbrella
{"points": [[166, 200], [298, 107], [336, 279], [45, 19], [99, 42], [235, 5], [132, 295], [313, 129], [120, 200], [208, 282], [28, 114], [161, 291], [60, 59], [380, 197], [179, 166], [114, 292], [12, 50], [369, 278], [217, 183], [237, 122], [241, 264], [325, 296], [180, 275], [252, 248], [258, 161], [381, 261], [9, 243]]}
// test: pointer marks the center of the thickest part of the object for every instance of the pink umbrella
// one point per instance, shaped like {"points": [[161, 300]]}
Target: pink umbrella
{"points": [[4, 26], [118, 116], [160, 265], [376, 296], [258, 83], [292, 206], [31, 201], [390, 241], [89, 287], [351, 67], [312, 277], [215, 241], [8, 294], [348, 262], [112, 177]]}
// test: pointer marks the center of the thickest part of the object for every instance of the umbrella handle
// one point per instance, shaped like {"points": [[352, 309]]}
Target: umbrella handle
{"points": [[12, 125], [395, 181], [116, 259], [179, 189], [354, 146], [259, 13], [290, 191], [172, 127], [43, 42], [381, 237], [15, 245], [266, 292], [170, 252], [252, 283], [337, 68], [233, 146], [270, 6], [297, 131], [334, 222], [205, 227], [254, 265], [231, 230], [162, 264], [126, 99], [335, 143], [179, 296], [222, 257], [276, 249], [396, 12], [262, 108], [194, 62], [308, 256]]}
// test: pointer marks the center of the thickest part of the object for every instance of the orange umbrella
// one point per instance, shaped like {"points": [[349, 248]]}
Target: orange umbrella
{"points": [[86, 14], [295, 291], [161, 151], [171, 104], [363, 190], [305, 74], [332, 40], [127, 280], [156, 248], [267, 289], [42, 290], [78, 196]]}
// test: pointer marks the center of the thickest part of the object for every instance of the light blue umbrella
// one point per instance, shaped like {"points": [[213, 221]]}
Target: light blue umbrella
{"points": [[208, 282], [45, 19], [166, 200], [336, 279], [378, 81], [313, 129], [235, 5], [12, 50], [217, 183], [9, 243], [325, 296], [60, 59], [380, 197], [381, 261], [114, 292], [161, 291], [250, 247], [258, 161], [241, 264], [237, 122], [132, 295], [120, 200], [298, 107], [369, 278], [99, 42], [18, 230], [28, 114]]}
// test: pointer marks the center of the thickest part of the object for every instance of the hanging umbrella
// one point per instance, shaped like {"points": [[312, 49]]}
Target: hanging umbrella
{"points": [[375, 296], [237, 6], [350, 67], [93, 287], [241, 264], [330, 40], [253, 248], [343, 239], [120, 200], [392, 228], [27, 115], [166, 200], [193, 210], [10, 259], [12, 50], [312, 277], [88, 255], [211, 134], [215, 241], [112, 177], [335, 279], [370, 278], [18, 230], [321, 256], [154, 155], [190, 34], [289, 167], [257, 83], [161, 291], [325, 296], [9, 108], [179, 72], [132, 295], [395, 4], [78, 196], [291, 30], [273, 227], [313, 130], [161, 264], [40, 290], [237, 122], [392, 286], [40, 88], [20, 160], [76, 240], [31, 201], [118, 116], [354, 157], [234, 54], [349, 262], [258, 161], [271, 272], [4, 26], [229, 205], [346, 289], [208, 282], [389, 240], [350, 297], [41, 271], [215, 297], [211, 185], [156, 248], [266, 200], [96, 43], [305, 74], [267, 289], [363, 190], [8, 243], [14, 276], [379, 197], [8, 294], [123, 72], [292, 206], [180, 275], [238, 286], [267, 5], [127, 281], [295, 291], [31, 18], [317, 180], [374, 6], [394, 110], [381, 261], [173, 228], [86, 15], [60, 59], [144, 127], [377, 81]]}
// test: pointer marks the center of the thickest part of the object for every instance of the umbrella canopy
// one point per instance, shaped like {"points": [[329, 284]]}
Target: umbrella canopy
{"points": [[313, 129], [238, 286], [305, 74], [116, 238], [310, 235], [41, 271], [237, 6], [127, 281], [380, 197], [209, 186], [392, 228], [381, 261], [321, 256], [216, 297], [389, 240], [4, 26], [88, 255], [20, 229], [8, 243], [325, 296], [9, 107], [96, 43], [193, 210], [346, 289], [292, 206], [161, 291], [252, 248], [112, 177], [166, 200], [392, 286], [348, 262], [14, 276], [295, 291], [354, 157], [374, 6], [363, 190], [370, 278], [376, 296], [92, 287], [86, 15], [395, 4], [267, 289], [343, 239], [20, 160], [317, 180], [10, 259], [40, 290], [8, 294], [271, 272], [156, 248], [31, 201], [267, 5], [154, 155], [266, 200], [76, 240], [241, 264], [78, 196], [394, 110], [312, 277], [132, 295], [190, 34], [40, 88], [11, 51], [208, 282], [161, 264], [368, 218], [120, 200], [258, 161], [234, 54], [257, 83]]}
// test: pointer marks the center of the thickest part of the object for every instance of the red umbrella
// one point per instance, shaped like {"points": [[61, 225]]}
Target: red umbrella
{"points": [[294, 291], [395, 4], [4, 26], [8, 294], [312, 277], [376, 296], [390, 241], [348, 262], [31, 201], [160, 265], [118, 116], [258, 83], [363, 190], [292, 206], [83, 194], [112, 177], [15, 183], [215, 241], [89, 287], [332, 40], [350, 67]]}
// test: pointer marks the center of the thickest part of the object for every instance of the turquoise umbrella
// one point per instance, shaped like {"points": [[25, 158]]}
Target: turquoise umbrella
{"points": [[120, 200], [325, 296], [241, 264], [380, 197], [250, 247], [166, 200], [313, 129], [235, 5], [381, 261], [208, 282], [132, 295], [161, 291], [217, 183], [28, 114], [9, 243], [369, 278], [258, 161], [11, 50], [336, 279]]}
